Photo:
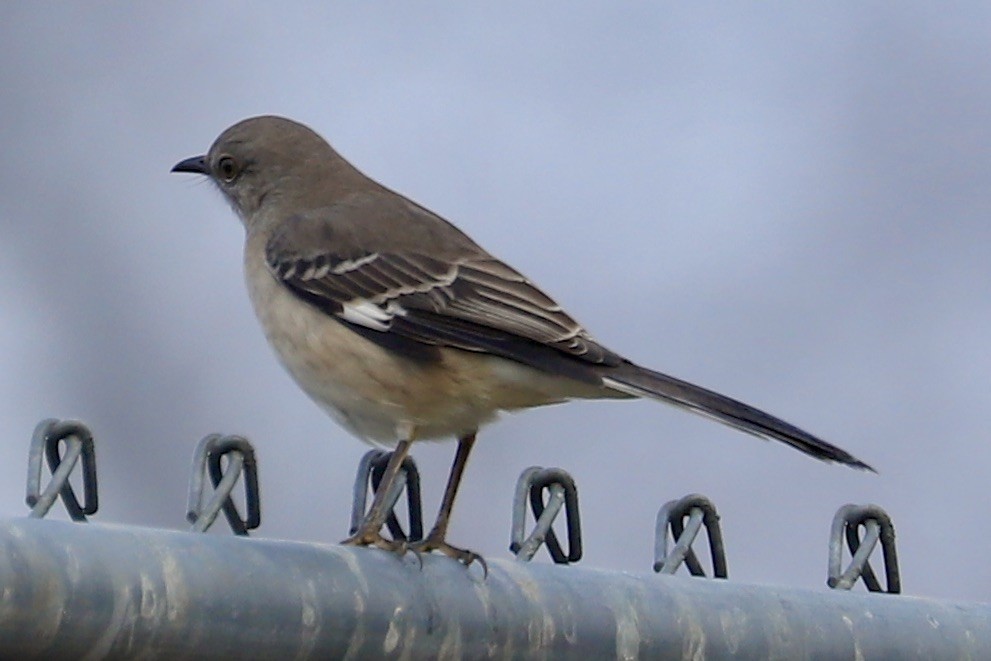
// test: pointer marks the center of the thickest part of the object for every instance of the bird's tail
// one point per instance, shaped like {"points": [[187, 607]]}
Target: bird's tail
{"points": [[639, 381]]}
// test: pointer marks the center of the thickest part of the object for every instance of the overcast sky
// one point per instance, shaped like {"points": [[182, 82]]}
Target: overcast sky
{"points": [[787, 204]]}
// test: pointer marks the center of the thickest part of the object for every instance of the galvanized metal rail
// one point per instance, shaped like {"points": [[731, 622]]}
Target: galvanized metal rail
{"points": [[96, 591]]}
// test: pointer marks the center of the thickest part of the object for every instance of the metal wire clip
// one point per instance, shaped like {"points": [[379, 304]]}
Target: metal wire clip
{"points": [[700, 512], [370, 470], [877, 527], [562, 493], [47, 437], [240, 461]]}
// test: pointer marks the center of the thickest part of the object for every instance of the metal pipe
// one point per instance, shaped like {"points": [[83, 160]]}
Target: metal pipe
{"points": [[100, 591]]}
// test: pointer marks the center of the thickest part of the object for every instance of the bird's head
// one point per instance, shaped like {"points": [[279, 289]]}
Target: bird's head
{"points": [[265, 159]]}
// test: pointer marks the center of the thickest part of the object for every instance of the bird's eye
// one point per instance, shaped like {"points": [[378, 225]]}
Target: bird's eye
{"points": [[227, 168]]}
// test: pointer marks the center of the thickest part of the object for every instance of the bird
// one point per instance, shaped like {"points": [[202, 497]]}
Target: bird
{"points": [[403, 328]]}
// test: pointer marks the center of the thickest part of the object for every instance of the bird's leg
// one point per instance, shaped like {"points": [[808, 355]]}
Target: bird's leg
{"points": [[435, 541], [370, 532], [439, 531]]}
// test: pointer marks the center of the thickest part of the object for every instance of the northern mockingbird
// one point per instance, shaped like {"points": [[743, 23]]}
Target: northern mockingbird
{"points": [[402, 328]]}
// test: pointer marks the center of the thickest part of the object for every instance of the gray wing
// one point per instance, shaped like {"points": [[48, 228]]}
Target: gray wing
{"points": [[458, 298]]}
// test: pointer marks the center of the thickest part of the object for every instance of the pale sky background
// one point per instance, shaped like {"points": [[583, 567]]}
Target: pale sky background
{"points": [[789, 204]]}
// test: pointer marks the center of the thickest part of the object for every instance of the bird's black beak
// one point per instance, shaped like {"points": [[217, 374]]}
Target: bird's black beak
{"points": [[196, 165]]}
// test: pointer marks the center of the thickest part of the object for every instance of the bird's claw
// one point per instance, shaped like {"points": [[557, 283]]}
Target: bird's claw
{"points": [[369, 537], [464, 556]]}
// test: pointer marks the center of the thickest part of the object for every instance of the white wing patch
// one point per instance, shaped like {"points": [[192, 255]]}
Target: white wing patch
{"points": [[365, 313]]}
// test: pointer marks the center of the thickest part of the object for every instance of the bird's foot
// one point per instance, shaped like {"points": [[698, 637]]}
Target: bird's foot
{"points": [[463, 556], [373, 537]]}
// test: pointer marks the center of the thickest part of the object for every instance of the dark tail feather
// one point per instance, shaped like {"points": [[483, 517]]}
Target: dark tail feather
{"points": [[642, 382]]}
